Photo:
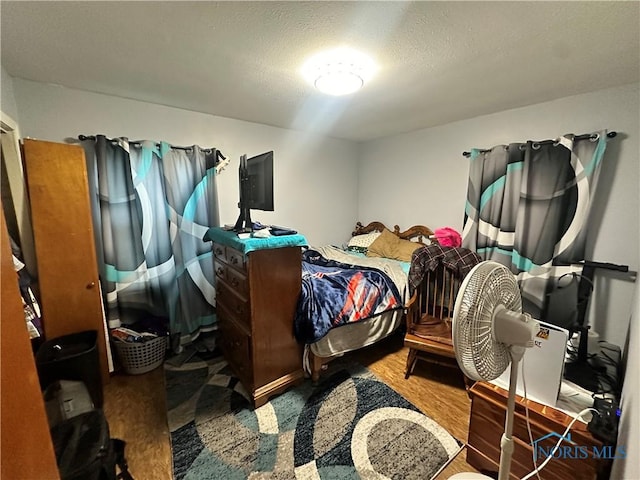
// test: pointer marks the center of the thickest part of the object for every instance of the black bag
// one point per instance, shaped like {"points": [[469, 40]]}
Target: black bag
{"points": [[85, 451]]}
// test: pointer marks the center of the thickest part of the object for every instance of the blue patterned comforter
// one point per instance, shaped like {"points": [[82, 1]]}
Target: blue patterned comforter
{"points": [[335, 293]]}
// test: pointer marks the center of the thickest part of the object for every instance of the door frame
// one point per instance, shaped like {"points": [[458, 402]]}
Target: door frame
{"points": [[15, 171]]}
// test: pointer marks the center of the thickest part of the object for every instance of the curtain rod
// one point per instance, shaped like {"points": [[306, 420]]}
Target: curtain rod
{"points": [[546, 142], [137, 143]]}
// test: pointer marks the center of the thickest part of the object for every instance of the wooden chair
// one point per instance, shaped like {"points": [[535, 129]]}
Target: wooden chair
{"points": [[429, 316]]}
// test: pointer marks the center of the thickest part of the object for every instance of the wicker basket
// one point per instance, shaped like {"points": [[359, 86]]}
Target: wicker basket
{"points": [[137, 358]]}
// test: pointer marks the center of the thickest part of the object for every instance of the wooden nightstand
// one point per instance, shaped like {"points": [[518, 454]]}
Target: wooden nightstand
{"points": [[488, 408]]}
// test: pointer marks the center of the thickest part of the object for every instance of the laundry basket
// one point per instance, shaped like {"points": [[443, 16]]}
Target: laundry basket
{"points": [[141, 357]]}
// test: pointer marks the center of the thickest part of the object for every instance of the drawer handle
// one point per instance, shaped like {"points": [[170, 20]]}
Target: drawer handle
{"points": [[239, 309], [234, 260], [218, 251], [219, 271], [235, 282]]}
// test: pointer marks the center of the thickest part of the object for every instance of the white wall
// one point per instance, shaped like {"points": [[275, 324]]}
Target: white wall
{"points": [[7, 98], [628, 431], [322, 190], [314, 177], [429, 178]]}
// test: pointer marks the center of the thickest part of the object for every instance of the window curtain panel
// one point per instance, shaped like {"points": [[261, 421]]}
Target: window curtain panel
{"points": [[527, 206], [152, 205]]}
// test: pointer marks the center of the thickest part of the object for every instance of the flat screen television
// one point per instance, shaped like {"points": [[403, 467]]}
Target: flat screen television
{"points": [[256, 188]]}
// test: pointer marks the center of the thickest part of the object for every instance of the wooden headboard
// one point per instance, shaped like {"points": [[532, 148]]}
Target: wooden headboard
{"points": [[419, 232]]}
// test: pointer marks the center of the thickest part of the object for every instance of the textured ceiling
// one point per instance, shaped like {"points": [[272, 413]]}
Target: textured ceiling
{"points": [[439, 61]]}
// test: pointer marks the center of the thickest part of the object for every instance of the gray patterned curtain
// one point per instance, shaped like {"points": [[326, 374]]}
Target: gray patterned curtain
{"points": [[152, 205], [527, 206]]}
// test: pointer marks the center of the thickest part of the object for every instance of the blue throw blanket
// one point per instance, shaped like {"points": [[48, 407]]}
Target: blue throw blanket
{"points": [[335, 293]]}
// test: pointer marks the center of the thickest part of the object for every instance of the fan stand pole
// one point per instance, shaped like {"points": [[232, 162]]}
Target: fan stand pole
{"points": [[506, 443]]}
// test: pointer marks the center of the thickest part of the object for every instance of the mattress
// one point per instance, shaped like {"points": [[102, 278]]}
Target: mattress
{"points": [[346, 338], [357, 335]]}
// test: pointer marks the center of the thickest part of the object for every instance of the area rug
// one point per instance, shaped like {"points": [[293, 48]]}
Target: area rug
{"points": [[348, 425]]}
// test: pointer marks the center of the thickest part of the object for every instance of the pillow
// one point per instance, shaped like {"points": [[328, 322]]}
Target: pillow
{"points": [[389, 245], [364, 240]]}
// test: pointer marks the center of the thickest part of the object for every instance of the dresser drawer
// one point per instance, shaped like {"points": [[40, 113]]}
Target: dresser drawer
{"points": [[236, 347], [235, 306], [220, 269], [235, 258], [219, 251], [237, 280]]}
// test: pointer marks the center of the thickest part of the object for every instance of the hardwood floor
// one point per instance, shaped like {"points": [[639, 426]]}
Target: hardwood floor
{"points": [[136, 409]]}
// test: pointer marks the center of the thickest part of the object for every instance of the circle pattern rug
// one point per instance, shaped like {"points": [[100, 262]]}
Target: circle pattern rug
{"points": [[349, 425]]}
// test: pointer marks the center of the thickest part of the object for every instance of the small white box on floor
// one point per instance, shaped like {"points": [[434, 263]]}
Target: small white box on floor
{"points": [[542, 366]]}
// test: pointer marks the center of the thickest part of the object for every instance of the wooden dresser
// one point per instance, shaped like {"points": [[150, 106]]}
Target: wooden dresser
{"points": [[488, 409], [256, 302]]}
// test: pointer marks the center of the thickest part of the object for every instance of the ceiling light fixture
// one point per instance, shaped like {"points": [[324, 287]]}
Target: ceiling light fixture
{"points": [[340, 71]]}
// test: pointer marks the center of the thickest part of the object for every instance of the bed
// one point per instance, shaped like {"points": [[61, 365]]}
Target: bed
{"points": [[376, 264]]}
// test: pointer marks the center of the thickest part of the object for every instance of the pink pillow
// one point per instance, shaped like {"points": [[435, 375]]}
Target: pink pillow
{"points": [[448, 237]]}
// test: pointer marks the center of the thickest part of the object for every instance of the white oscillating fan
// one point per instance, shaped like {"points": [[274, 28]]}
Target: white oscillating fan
{"points": [[490, 331]]}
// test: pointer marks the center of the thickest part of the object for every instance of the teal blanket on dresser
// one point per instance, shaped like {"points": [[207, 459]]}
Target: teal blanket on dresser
{"points": [[246, 245]]}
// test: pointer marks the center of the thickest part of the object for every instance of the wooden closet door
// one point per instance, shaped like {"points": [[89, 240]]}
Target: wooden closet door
{"points": [[25, 441], [64, 242]]}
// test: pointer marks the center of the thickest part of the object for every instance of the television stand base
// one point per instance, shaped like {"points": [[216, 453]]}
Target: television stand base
{"points": [[244, 223]]}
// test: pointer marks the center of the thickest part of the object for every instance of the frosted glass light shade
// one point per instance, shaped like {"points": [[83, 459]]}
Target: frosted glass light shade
{"points": [[339, 83], [338, 72]]}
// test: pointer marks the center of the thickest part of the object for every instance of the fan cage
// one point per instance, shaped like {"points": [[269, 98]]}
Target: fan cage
{"points": [[488, 287]]}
